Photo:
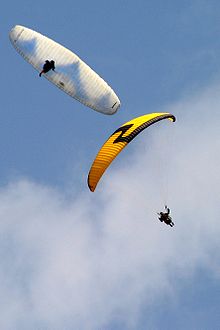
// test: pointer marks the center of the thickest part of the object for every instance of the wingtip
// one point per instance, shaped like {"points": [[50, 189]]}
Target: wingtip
{"points": [[91, 188]]}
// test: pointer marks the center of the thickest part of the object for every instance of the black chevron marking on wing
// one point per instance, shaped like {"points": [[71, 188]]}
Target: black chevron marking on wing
{"points": [[123, 130], [136, 131]]}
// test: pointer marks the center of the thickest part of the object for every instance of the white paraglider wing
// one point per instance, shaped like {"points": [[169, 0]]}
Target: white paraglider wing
{"points": [[71, 74]]}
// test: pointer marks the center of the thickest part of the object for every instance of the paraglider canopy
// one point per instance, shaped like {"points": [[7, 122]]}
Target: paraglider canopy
{"points": [[118, 140], [72, 75]]}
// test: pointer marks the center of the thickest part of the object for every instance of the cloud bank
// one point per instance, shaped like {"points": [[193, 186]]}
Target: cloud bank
{"points": [[97, 260]]}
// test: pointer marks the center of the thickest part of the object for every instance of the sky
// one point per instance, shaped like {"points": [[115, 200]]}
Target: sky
{"points": [[72, 259]]}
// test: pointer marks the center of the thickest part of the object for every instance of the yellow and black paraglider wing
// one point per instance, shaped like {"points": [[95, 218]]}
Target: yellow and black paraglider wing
{"points": [[117, 141]]}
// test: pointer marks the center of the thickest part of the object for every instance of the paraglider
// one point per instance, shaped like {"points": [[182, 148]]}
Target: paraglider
{"points": [[118, 141], [165, 217], [72, 75], [48, 65]]}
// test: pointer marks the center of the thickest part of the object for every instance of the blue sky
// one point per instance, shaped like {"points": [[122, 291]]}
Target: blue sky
{"points": [[72, 259]]}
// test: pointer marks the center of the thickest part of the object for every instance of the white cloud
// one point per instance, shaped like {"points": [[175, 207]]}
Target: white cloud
{"points": [[79, 264]]}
